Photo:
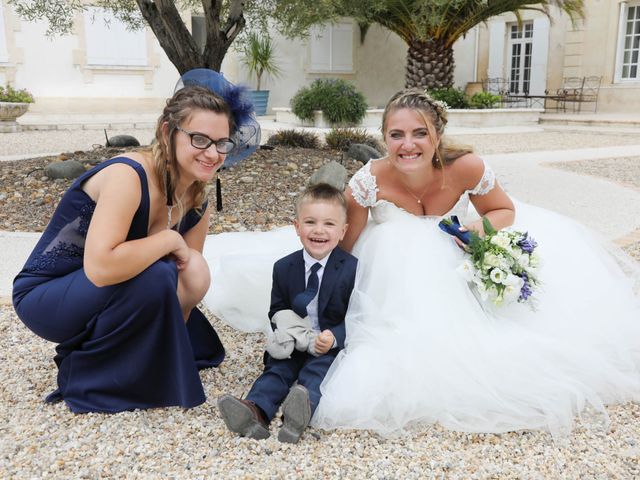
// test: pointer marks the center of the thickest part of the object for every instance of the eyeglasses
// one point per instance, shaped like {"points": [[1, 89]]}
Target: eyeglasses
{"points": [[202, 142]]}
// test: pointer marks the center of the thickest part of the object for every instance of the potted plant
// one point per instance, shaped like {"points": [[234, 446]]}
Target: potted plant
{"points": [[13, 103], [260, 58]]}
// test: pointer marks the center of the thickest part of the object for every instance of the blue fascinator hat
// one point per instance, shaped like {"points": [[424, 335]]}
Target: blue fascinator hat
{"points": [[247, 133]]}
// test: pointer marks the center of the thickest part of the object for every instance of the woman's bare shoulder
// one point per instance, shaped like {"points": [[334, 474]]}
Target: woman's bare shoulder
{"points": [[378, 166], [118, 175], [140, 156], [467, 170]]}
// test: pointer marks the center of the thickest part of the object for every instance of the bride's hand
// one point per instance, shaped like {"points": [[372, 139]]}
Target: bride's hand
{"points": [[473, 227]]}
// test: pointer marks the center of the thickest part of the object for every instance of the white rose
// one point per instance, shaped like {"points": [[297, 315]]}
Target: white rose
{"points": [[505, 263], [515, 252], [501, 240], [491, 259], [524, 260], [514, 281], [497, 276], [511, 293]]}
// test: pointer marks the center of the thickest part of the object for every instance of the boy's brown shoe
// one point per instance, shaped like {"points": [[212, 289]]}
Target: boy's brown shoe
{"points": [[243, 417], [296, 410]]}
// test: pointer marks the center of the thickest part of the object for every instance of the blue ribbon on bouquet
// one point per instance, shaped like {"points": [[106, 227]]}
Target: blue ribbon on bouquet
{"points": [[452, 227]]}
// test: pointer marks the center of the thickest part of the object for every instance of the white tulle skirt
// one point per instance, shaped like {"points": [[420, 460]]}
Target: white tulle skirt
{"points": [[422, 349]]}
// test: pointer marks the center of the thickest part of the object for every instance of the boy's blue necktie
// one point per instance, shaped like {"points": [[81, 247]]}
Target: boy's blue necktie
{"points": [[301, 300]]}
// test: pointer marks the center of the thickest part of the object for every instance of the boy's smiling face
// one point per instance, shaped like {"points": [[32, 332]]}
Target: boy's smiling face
{"points": [[320, 226]]}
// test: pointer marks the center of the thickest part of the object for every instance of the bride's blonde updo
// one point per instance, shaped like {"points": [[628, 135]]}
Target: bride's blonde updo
{"points": [[434, 115], [178, 109]]}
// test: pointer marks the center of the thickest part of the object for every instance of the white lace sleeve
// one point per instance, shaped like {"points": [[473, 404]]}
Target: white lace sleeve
{"points": [[363, 186], [486, 183]]}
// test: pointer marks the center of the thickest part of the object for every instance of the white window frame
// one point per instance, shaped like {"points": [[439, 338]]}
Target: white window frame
{"points": [[110, 44], [523, 42], [633, 39], [331, 47], [4, 52]]}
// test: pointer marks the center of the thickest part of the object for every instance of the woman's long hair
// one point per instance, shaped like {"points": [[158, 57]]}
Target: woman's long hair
{"points": [[178, 109]]}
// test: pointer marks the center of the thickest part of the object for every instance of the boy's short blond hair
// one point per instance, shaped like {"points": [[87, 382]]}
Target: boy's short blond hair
{"points": [[322, 192]]}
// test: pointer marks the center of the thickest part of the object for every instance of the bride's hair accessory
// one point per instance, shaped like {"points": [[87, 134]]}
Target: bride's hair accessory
{"points": [[420, 100]]}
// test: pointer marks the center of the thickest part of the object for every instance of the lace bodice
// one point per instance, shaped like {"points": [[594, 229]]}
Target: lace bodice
{"points": [[364, 188]]}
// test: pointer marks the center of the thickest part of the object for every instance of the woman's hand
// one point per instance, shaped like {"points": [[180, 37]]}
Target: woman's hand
{"points": [[181, 253]]}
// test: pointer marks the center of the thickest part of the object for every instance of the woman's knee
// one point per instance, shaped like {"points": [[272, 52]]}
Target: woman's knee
{"points": [[195, 278], [158, 281]]}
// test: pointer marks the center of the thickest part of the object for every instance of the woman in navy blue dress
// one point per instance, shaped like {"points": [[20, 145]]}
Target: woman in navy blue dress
{"points": [[117, 274]]}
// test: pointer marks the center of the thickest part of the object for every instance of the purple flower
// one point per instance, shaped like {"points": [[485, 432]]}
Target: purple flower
{"points": [[527, 244], [525, 291]]}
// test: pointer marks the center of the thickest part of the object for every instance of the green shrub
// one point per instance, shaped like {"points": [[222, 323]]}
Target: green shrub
{"points": [[294, 138], [339, 101], [453, 97], [10, 94], [343, 138], [484, 100]]}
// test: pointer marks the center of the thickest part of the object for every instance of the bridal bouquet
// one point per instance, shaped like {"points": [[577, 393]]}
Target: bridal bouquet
{"points": [[503, 265]]}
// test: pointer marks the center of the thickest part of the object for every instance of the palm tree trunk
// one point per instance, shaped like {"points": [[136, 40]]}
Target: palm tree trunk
{"points": [[429, 64]]}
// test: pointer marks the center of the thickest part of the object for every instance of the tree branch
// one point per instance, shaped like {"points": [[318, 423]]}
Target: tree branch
{"points": [[172, 34]]}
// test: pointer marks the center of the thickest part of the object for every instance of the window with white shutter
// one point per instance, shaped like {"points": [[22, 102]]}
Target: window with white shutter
{"points": [[332, 48], [109, 43]]}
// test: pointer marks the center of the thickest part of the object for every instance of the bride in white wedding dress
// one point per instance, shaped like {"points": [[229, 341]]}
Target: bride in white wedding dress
{"points": [[420, 347]]}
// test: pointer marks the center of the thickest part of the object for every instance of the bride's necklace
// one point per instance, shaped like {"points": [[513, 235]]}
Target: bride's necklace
{"points": [[417, 198]]}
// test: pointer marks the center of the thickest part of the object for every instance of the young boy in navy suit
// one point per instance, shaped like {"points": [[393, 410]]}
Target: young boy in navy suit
{"points": [[316, 282]]}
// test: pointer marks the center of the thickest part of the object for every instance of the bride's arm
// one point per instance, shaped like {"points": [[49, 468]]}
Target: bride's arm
{"points": [[487, 196], [496, 206], [357, 216]]}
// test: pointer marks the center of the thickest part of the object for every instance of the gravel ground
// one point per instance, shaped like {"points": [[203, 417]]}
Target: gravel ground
{"points": [[625, 171], [547, 140], [55, 141], [39, 440], [257, 194], [48, 441]]}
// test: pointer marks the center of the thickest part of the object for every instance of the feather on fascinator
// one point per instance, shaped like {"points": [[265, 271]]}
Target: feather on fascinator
{"points": [[247, 132]]}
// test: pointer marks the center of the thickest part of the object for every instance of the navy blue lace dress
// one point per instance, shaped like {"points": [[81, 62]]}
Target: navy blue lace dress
{"points": [[122, 346]]}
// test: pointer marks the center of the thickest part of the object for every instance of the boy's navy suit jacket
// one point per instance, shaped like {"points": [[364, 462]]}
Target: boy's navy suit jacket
{"points": [[335, 290]]}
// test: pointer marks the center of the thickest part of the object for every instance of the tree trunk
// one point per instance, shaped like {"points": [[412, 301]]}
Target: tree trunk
{"points": [[429, 65], [220, 37], [178, 43]]}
